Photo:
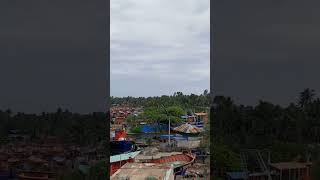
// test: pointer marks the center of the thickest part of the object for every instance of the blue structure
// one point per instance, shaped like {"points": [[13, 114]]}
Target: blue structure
{"points": [[154, 128]]}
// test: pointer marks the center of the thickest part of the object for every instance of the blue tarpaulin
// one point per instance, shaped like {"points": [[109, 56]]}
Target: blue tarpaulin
{"points": [[153, 128]]}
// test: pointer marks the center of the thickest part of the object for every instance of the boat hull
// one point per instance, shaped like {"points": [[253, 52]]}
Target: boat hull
{"points": [[119, 147]]}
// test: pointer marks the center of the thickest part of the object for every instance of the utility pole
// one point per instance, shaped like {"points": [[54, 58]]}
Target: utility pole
{"points": [[169, 142], [169, 131]]}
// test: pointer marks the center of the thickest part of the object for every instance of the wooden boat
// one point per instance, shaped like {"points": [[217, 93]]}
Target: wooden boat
{"points": [[178, 160]]}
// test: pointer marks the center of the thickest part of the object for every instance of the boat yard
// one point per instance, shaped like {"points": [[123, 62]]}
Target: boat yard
{"points": [[155, 153]]}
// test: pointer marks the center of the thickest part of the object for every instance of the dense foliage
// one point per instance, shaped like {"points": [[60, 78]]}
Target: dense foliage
{"points": [[290, 133], [193, 101], [263, 125], [87, 129]]}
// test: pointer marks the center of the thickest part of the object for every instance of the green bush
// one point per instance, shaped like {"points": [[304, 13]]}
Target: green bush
{"points": [[136, 129]]}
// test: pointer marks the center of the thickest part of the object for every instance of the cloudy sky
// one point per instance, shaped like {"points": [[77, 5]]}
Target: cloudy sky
{"points": [[159, 47], [266, 49], [53, 54]]}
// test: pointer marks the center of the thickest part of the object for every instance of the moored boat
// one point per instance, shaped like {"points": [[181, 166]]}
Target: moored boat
{"points": [[178, 160], [120, 147]]}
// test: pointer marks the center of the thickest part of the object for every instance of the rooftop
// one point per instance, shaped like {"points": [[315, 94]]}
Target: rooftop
{"points": [[123, 157], [201, 114], [138, 171]]}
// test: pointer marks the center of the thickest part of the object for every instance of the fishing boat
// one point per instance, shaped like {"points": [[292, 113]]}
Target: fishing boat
{"points": [[122, 151], [120, 144], [178, 160], [120, 147]]}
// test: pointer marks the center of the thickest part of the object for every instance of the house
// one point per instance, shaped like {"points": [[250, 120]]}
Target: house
{"points": [[202, 116], [119, 120]]}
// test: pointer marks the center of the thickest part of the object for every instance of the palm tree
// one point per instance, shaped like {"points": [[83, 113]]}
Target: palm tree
{"points": [[306, 97]]}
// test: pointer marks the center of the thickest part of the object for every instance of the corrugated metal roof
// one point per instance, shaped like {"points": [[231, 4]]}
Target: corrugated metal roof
{"points": [[123, 157], [187, 128]]}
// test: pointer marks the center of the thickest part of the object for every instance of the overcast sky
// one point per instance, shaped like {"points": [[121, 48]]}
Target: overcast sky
{"points": [[53, 54], [266, 49], [159, 47]]}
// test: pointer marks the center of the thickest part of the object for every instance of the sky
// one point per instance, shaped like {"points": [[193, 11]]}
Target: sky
{"points": [[159, 47], [266, 49], [53, 54]]}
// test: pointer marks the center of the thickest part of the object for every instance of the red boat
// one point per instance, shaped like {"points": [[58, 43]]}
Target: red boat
{"points": [[178, 160]]}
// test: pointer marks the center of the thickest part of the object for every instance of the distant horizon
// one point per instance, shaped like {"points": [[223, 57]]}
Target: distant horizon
{"points": [[198, 93], [81, 113]]}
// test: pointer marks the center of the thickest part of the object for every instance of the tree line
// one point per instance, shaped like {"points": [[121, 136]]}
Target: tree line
{"points": [[82, 129], [193, 101], [289, 133], [248, 125]]}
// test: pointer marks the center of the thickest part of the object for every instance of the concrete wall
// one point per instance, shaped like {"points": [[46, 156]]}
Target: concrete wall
{"points": [[188, 144]]}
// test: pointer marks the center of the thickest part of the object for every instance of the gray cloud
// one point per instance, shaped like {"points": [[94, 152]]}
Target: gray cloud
{"points": [[53, 54], [159, 47], [266, 49]]}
